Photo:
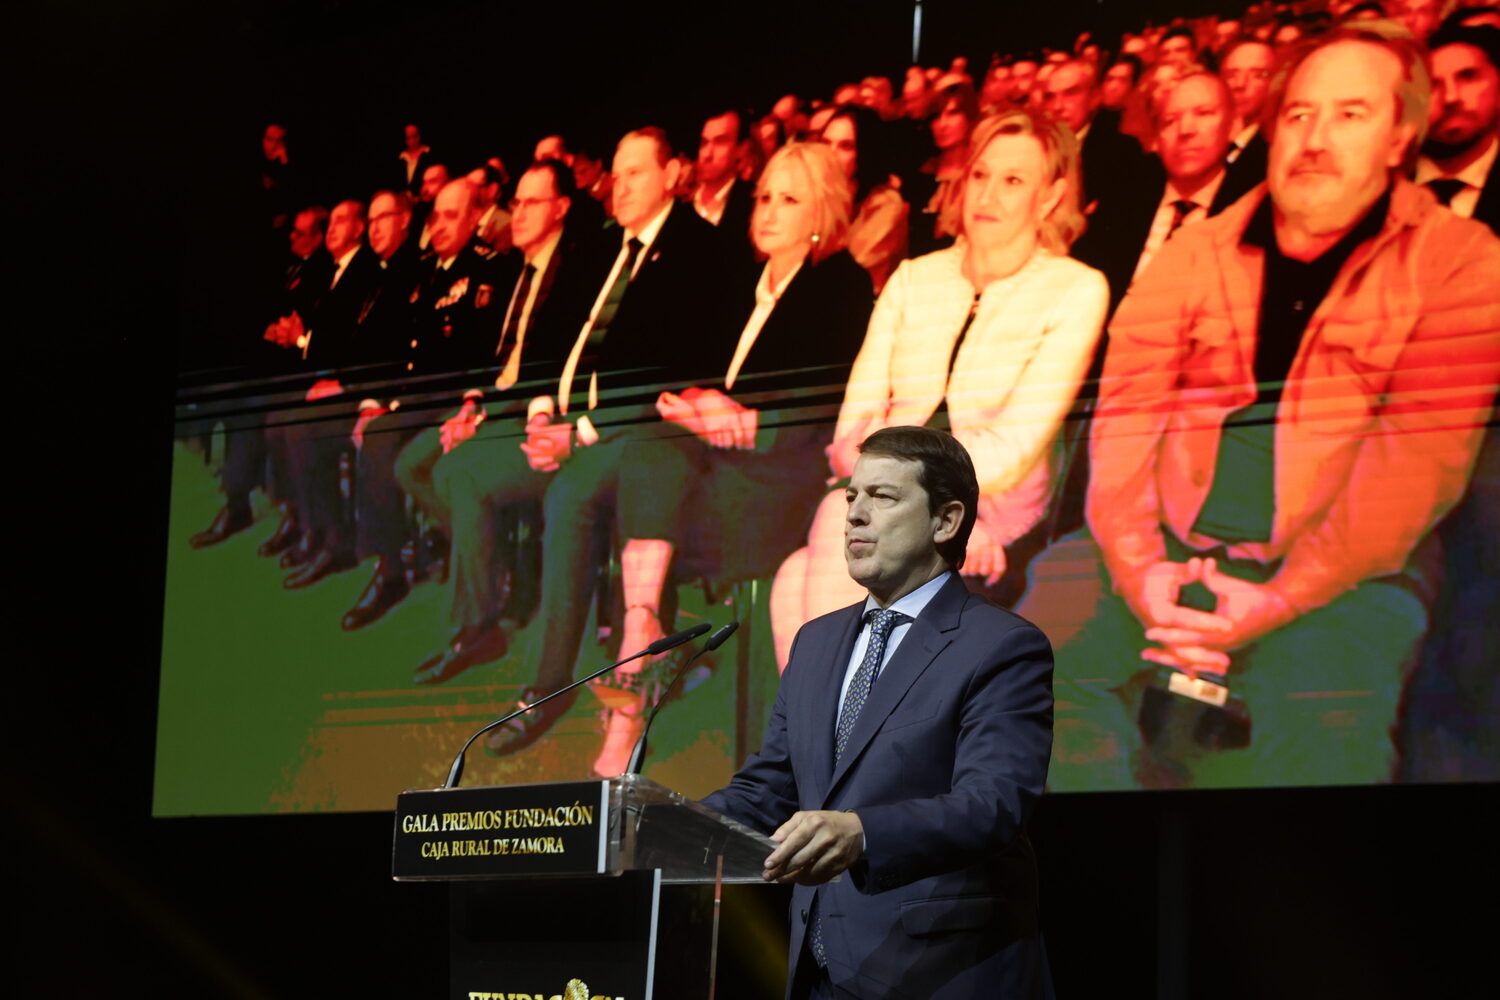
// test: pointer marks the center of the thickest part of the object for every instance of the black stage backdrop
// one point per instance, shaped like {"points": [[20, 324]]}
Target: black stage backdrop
{"points": [[120, 119]]}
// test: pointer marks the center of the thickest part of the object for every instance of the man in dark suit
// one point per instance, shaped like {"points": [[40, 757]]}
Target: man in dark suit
{"points": [[308, 441], [1246, 67], [659, 319], [719, 196], [1458, 161], [906, 750], [1452, 726], [1192, 122], [1111, 164], [304, 278]]}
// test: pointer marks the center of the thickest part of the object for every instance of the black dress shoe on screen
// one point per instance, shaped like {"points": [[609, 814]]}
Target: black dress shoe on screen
{"points": [[524, 730], [383, 592], [230, 520], [287, 534], [309, 544], [322, 564], [470, 649]]}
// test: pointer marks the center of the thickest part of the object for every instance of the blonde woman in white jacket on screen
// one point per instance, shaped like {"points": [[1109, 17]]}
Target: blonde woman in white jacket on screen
{"points": [[990, 338]]}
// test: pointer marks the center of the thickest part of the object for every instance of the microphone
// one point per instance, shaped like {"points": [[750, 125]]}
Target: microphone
{"points": [[456, 772], [638, 755]]}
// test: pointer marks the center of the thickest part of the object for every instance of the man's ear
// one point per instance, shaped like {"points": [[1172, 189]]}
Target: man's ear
{"points": [[674, 173], [950, 517]]}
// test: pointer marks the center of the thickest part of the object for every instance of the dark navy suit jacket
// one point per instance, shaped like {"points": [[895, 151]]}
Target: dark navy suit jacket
{"points": [[943, 767]]}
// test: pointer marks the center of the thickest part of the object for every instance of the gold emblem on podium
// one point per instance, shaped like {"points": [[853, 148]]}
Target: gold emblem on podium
{"points": [[575, 990]]}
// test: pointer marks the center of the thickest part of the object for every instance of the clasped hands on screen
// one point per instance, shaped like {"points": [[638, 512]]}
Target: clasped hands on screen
{"points": [[712, 416], [1192, 640]]}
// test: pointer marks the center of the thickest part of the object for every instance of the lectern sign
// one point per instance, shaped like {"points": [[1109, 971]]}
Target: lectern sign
{"points": [[550, 829]]}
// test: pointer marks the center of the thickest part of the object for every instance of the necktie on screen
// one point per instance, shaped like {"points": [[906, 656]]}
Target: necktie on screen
{"points": [[1446, 189], [615, 297], [517, 306], [1181, 209], [881, 624]]}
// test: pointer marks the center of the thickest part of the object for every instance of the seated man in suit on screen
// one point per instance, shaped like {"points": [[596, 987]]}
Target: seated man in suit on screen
{"points": [[905, 752], [1293, 396]]}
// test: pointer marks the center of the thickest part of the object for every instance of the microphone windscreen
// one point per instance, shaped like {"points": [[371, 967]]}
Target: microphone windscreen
{"points": [[677, 639], [720, 637]]}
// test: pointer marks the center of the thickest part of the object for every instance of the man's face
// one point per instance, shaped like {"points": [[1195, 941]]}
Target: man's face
{"points": [[413, 137], [1119, 80], [1177, 49], [1465, 97], [433, 180], [1420, 17], [915, 96], [642, 185], [1336, 137], [453, 218], [950, 126], [1022, 76], [839, 136], [1224, 32], [1247, 73], [1286, 36], [306, 235], [890, 536], [716, 148], [847, 93], [1192, 131], [996, 87], [536, 211], [586, 171], [345, 226], [388, 226], [786, 107], [273, 142], [1071, 97]]}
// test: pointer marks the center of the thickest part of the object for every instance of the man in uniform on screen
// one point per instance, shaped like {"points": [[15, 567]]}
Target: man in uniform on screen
{"points": [[1293, 396]]}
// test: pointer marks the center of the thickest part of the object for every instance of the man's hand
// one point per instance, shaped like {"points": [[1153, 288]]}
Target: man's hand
{"points": [[461, 426], [547, 445], [814, 847], [1254, 609], [1181, 632], [719, 420], [985, 555]]}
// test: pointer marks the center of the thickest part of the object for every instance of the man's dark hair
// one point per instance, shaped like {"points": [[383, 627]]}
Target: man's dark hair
{"points": [[1484, 37], [563, 184], [1180, 31], [945, 471], [739, 120], [1134, 62], [877, 148]]}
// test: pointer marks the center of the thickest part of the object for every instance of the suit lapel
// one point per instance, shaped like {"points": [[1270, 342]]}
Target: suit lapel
{"points": [[820, 715], [929, 636]]}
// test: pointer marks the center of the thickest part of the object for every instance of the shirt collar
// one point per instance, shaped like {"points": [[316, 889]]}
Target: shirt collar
{"points": [[343, 261], [543, 257], [649, 231], [707, 199], [916, 602], [764, 293], [1474, 175], [1203, 197]]}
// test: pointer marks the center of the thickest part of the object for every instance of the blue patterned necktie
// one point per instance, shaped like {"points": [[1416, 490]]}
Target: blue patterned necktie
{"points": [[882, 623]]}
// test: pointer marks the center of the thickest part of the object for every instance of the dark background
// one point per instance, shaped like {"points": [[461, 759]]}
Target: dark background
{"points": [[132, 133]]}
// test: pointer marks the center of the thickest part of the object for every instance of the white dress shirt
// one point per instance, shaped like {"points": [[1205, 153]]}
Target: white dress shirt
{"points": [[711, 206], [912, 604], [539, 263], [1161, 225]]}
